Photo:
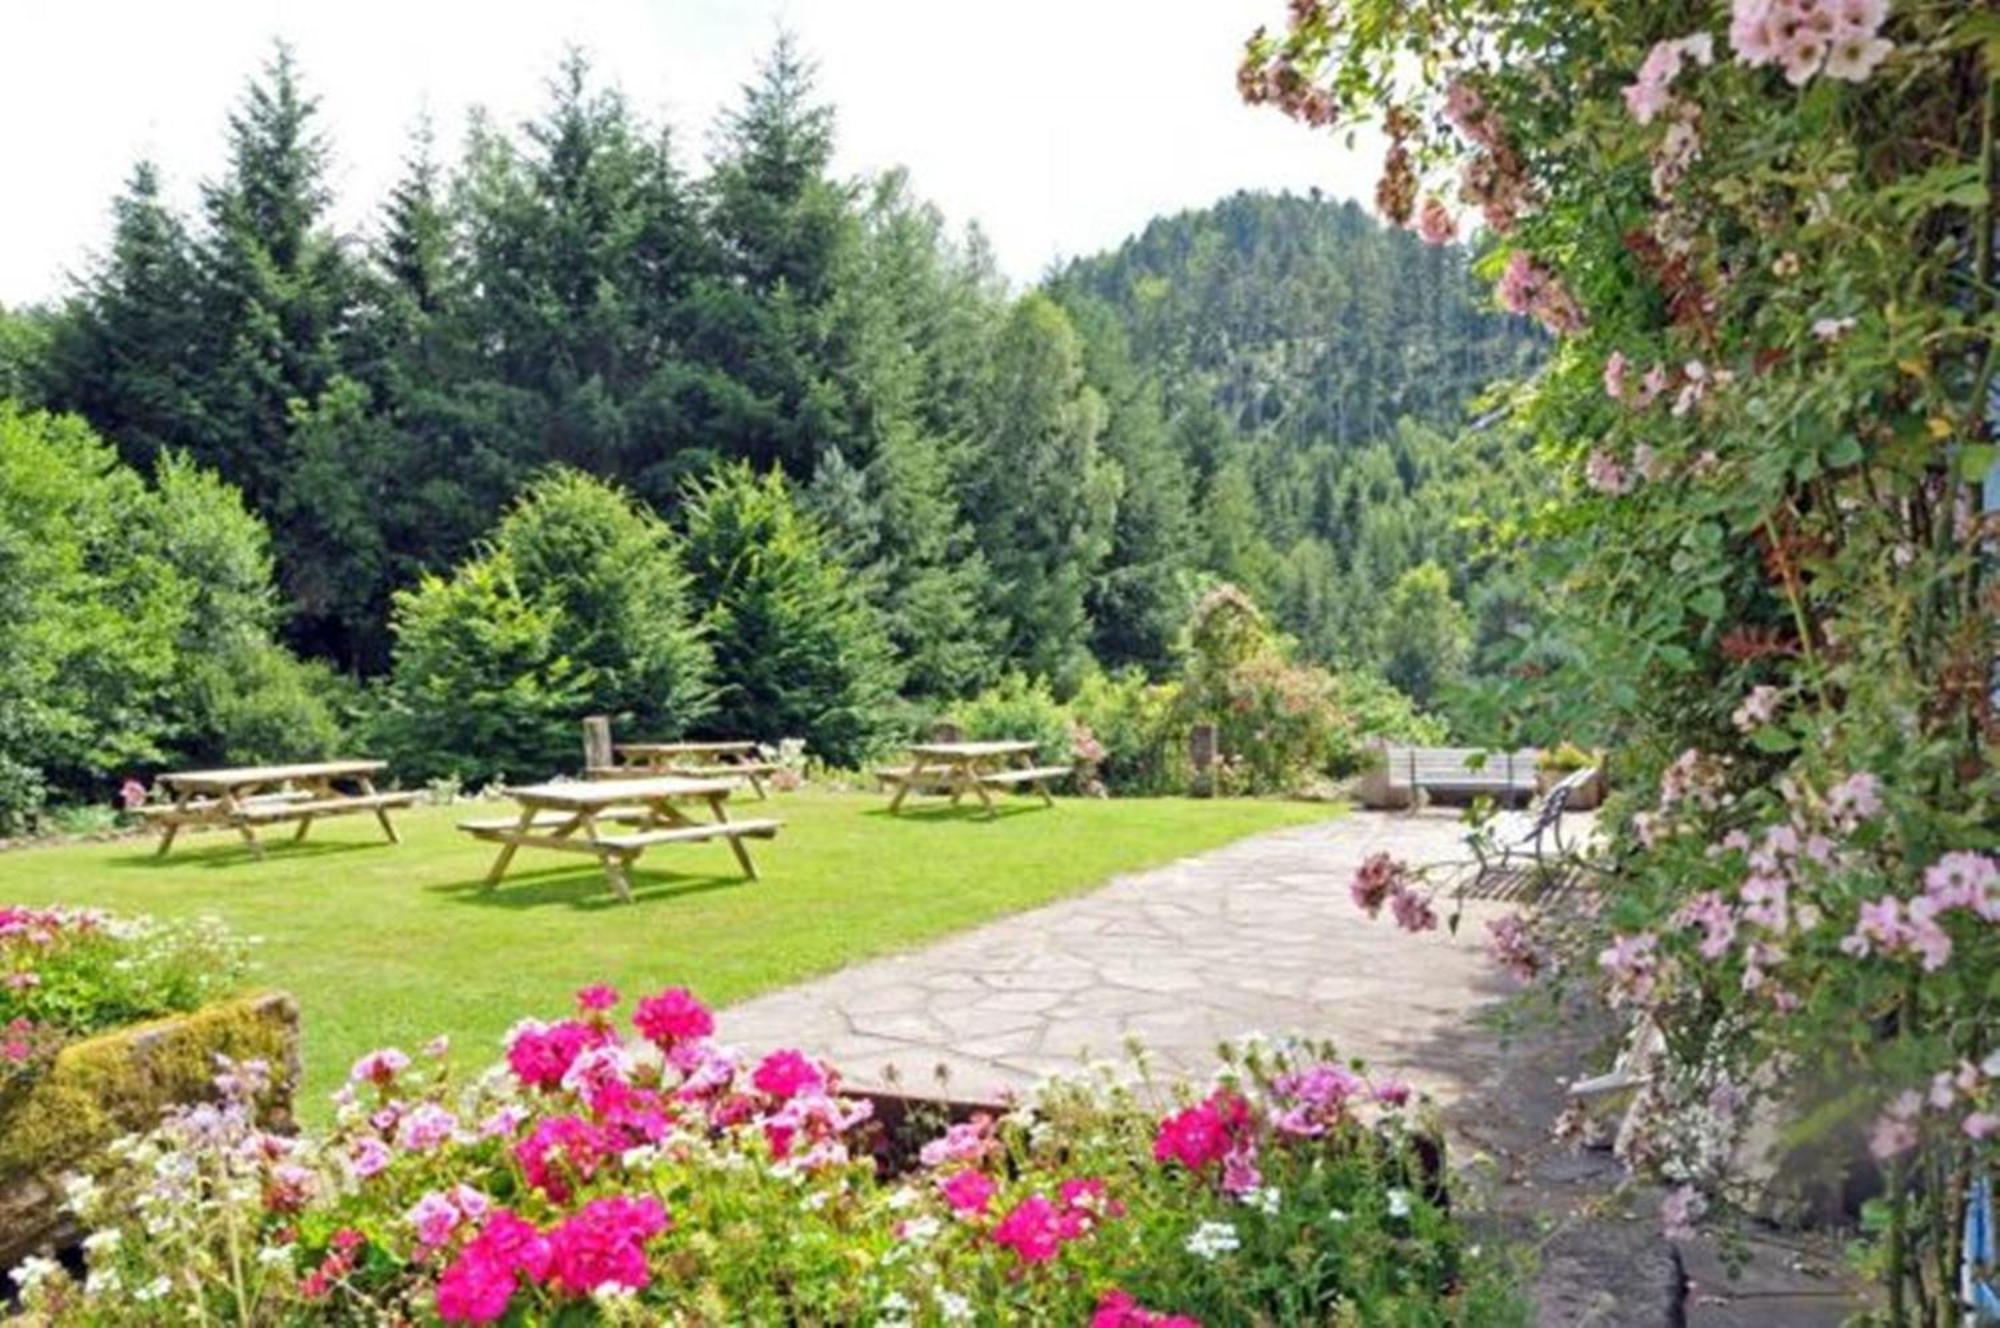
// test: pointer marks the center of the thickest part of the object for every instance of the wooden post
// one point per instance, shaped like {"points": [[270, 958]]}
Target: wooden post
{"points": [[596, 743], [1201, 751]]}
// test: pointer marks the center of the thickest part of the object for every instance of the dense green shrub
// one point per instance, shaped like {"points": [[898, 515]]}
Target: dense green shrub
{"points": [[1371, 709], [1142, 728], [1017, 707], [799, 652], [135, 621], [576, 606]]}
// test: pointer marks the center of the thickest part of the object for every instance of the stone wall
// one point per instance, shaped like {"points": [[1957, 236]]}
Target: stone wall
{"points": [[119, 1083]]}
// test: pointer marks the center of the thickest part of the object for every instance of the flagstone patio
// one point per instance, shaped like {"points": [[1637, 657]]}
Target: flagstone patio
{"points": [[1258, 936]]}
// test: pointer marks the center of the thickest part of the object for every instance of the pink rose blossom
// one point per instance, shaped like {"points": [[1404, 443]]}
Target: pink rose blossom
{"points": [[1435, 224]]}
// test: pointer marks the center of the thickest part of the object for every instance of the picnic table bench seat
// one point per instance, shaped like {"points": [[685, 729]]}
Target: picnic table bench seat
{"points": [[978, 768], [195, 807], [291, 810], [1028, 775], [687, 834]]}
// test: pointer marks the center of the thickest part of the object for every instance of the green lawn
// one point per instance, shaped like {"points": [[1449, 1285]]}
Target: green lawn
{"points": [[386, 944]]}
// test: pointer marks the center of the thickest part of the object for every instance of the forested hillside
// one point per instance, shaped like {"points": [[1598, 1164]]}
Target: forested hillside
{"points": [[1269, 392], [1318, 367]]}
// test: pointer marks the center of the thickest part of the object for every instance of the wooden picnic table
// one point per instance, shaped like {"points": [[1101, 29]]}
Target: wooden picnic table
{"points": [[245, 797], [733, 758], [576, 817], [978, 768]]}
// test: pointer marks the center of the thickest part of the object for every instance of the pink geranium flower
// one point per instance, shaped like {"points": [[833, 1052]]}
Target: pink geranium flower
{"points": [[563, 1149], [787, 1073], [597, 998], [478, 1285], [1031, 1229], [671, 1017], [540, 1054], [604, 1244], [968, 1192], [379, 1067], [1117, 1309]]}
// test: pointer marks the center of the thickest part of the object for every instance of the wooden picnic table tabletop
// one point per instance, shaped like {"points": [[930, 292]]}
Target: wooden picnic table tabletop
{"points": [[600, 793], [683, 748], [241, 776], [971, 751]]}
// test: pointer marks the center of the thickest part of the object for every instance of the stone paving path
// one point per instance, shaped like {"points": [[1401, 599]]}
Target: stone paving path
{"points": [[1257, 936]]}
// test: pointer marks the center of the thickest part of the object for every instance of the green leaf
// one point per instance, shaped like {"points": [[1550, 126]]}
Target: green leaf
{"points": [[1845, 450], [1708, 602], [1975, 461], [1772, 740]]}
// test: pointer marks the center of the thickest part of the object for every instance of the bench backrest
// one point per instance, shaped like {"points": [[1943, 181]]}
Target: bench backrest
{"points": [[1460, 767]]}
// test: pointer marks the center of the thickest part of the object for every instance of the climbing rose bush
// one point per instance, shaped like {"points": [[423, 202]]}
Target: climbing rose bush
{"points": [[589, 1178], [1761, 236]]}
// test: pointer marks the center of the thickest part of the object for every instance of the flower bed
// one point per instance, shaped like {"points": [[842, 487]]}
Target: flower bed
{"points": [[78, 1063], [593, 1180]]}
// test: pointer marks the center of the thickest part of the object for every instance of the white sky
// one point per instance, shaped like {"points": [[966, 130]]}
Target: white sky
{"points": [[1061, 125]]}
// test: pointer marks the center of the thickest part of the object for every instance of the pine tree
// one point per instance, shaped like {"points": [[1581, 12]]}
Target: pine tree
{"points": [[799, 653], [762, 326], [129, 354], [1040, 490]]}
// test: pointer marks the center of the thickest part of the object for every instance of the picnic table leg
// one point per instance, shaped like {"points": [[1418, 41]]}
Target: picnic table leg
{"points": [[615, 862], [171, 825], [367, 786], [319, 788], [232, 811], [735, 841], [506, 855], [969, 775], [615, 865], [904, 785]]}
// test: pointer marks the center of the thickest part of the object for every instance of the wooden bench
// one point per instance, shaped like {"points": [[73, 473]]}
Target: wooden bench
{"points": [[1499, 839], [1460, 771]]}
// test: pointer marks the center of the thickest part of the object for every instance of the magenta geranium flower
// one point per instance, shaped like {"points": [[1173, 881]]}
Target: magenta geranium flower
{"points": [[1032, 1229], [788, 1073], [597, 998], [968, 1192], [672, 1016], [1117, 1309], [481, 1281], [604, 1244]]}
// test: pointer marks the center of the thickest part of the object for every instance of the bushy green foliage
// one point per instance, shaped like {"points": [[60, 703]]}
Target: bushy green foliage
{"points": [[1372, 709], [1425, 637], [577, 606], [1275, 719], [1772, 419], [135, 622], [1022, 708], [1142, 728], [799, 651]]}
